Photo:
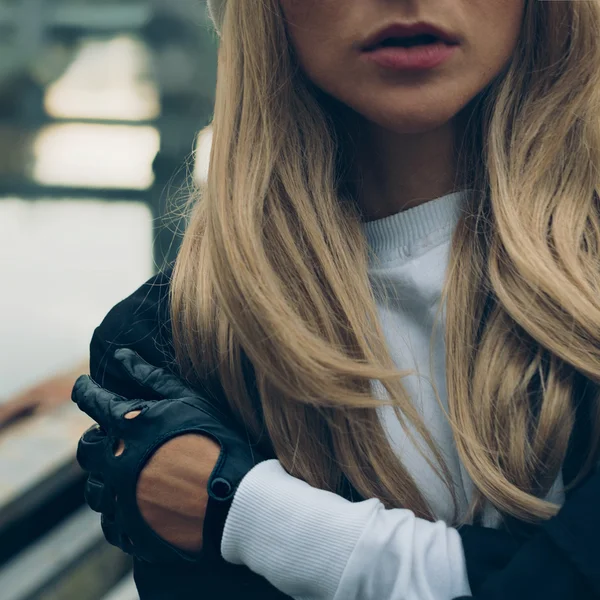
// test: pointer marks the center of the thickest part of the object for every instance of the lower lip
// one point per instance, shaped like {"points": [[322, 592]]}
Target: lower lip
{"points": [[414, 58]]}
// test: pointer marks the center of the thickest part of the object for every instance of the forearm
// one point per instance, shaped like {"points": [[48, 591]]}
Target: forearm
{"points": [[313, 544]]}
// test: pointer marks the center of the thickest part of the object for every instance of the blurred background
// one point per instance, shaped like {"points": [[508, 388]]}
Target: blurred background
{"points": [[103, 112]]}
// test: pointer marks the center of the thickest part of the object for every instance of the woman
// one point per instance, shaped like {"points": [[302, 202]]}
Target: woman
{"points": [[356, 189]]}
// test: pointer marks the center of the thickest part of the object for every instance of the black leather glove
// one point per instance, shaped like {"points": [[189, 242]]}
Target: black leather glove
{"points": [[111, 485]]}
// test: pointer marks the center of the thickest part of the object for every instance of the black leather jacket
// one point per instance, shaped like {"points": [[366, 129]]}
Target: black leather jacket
{"points": [[142, 322]]}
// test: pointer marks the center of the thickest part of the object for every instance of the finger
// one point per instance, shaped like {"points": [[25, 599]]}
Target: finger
{"points": [[106, 408], [159, 380], [91, 450], [98, 495], [114, 534], [94, 400], [110, 530]]}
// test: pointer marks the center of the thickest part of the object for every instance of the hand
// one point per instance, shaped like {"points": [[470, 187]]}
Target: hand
{"points": [[115, 454]]}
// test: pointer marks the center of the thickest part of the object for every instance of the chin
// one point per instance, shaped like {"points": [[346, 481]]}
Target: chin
{"points": [[414, 112], [412, 122]]}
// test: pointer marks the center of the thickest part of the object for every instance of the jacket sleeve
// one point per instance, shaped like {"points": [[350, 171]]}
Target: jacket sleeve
{"points": [[539, 571], [140, 322]]}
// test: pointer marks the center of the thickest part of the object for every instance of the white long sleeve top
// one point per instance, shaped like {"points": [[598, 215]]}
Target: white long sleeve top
{"points": [[314, 545]]}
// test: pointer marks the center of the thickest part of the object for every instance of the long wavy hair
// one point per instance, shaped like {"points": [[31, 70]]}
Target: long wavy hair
{"points": [[274, 268]]}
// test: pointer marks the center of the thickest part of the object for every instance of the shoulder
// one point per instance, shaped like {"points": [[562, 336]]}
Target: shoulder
{"points": [[141, 322]]}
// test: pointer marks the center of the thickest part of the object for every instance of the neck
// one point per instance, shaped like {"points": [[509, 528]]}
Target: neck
{"points": [[400, 171]]}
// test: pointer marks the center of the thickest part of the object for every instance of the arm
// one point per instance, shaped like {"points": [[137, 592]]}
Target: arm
{"points": [[141, 322], [562, 560], [311, 543], [137, 326], [363, 551], [159, 421]]}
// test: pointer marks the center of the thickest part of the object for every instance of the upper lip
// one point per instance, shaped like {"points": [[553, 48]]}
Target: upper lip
{"points": [[398, 30]]}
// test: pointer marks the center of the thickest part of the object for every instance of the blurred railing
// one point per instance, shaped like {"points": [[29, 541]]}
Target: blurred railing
{"points": [[51, 545]]}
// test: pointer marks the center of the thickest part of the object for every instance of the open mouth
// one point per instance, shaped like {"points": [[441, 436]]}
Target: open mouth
{"points": [[408, 42]]}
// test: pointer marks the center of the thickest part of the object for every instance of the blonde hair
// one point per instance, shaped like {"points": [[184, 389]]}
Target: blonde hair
{"points": [[273, 267]]}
